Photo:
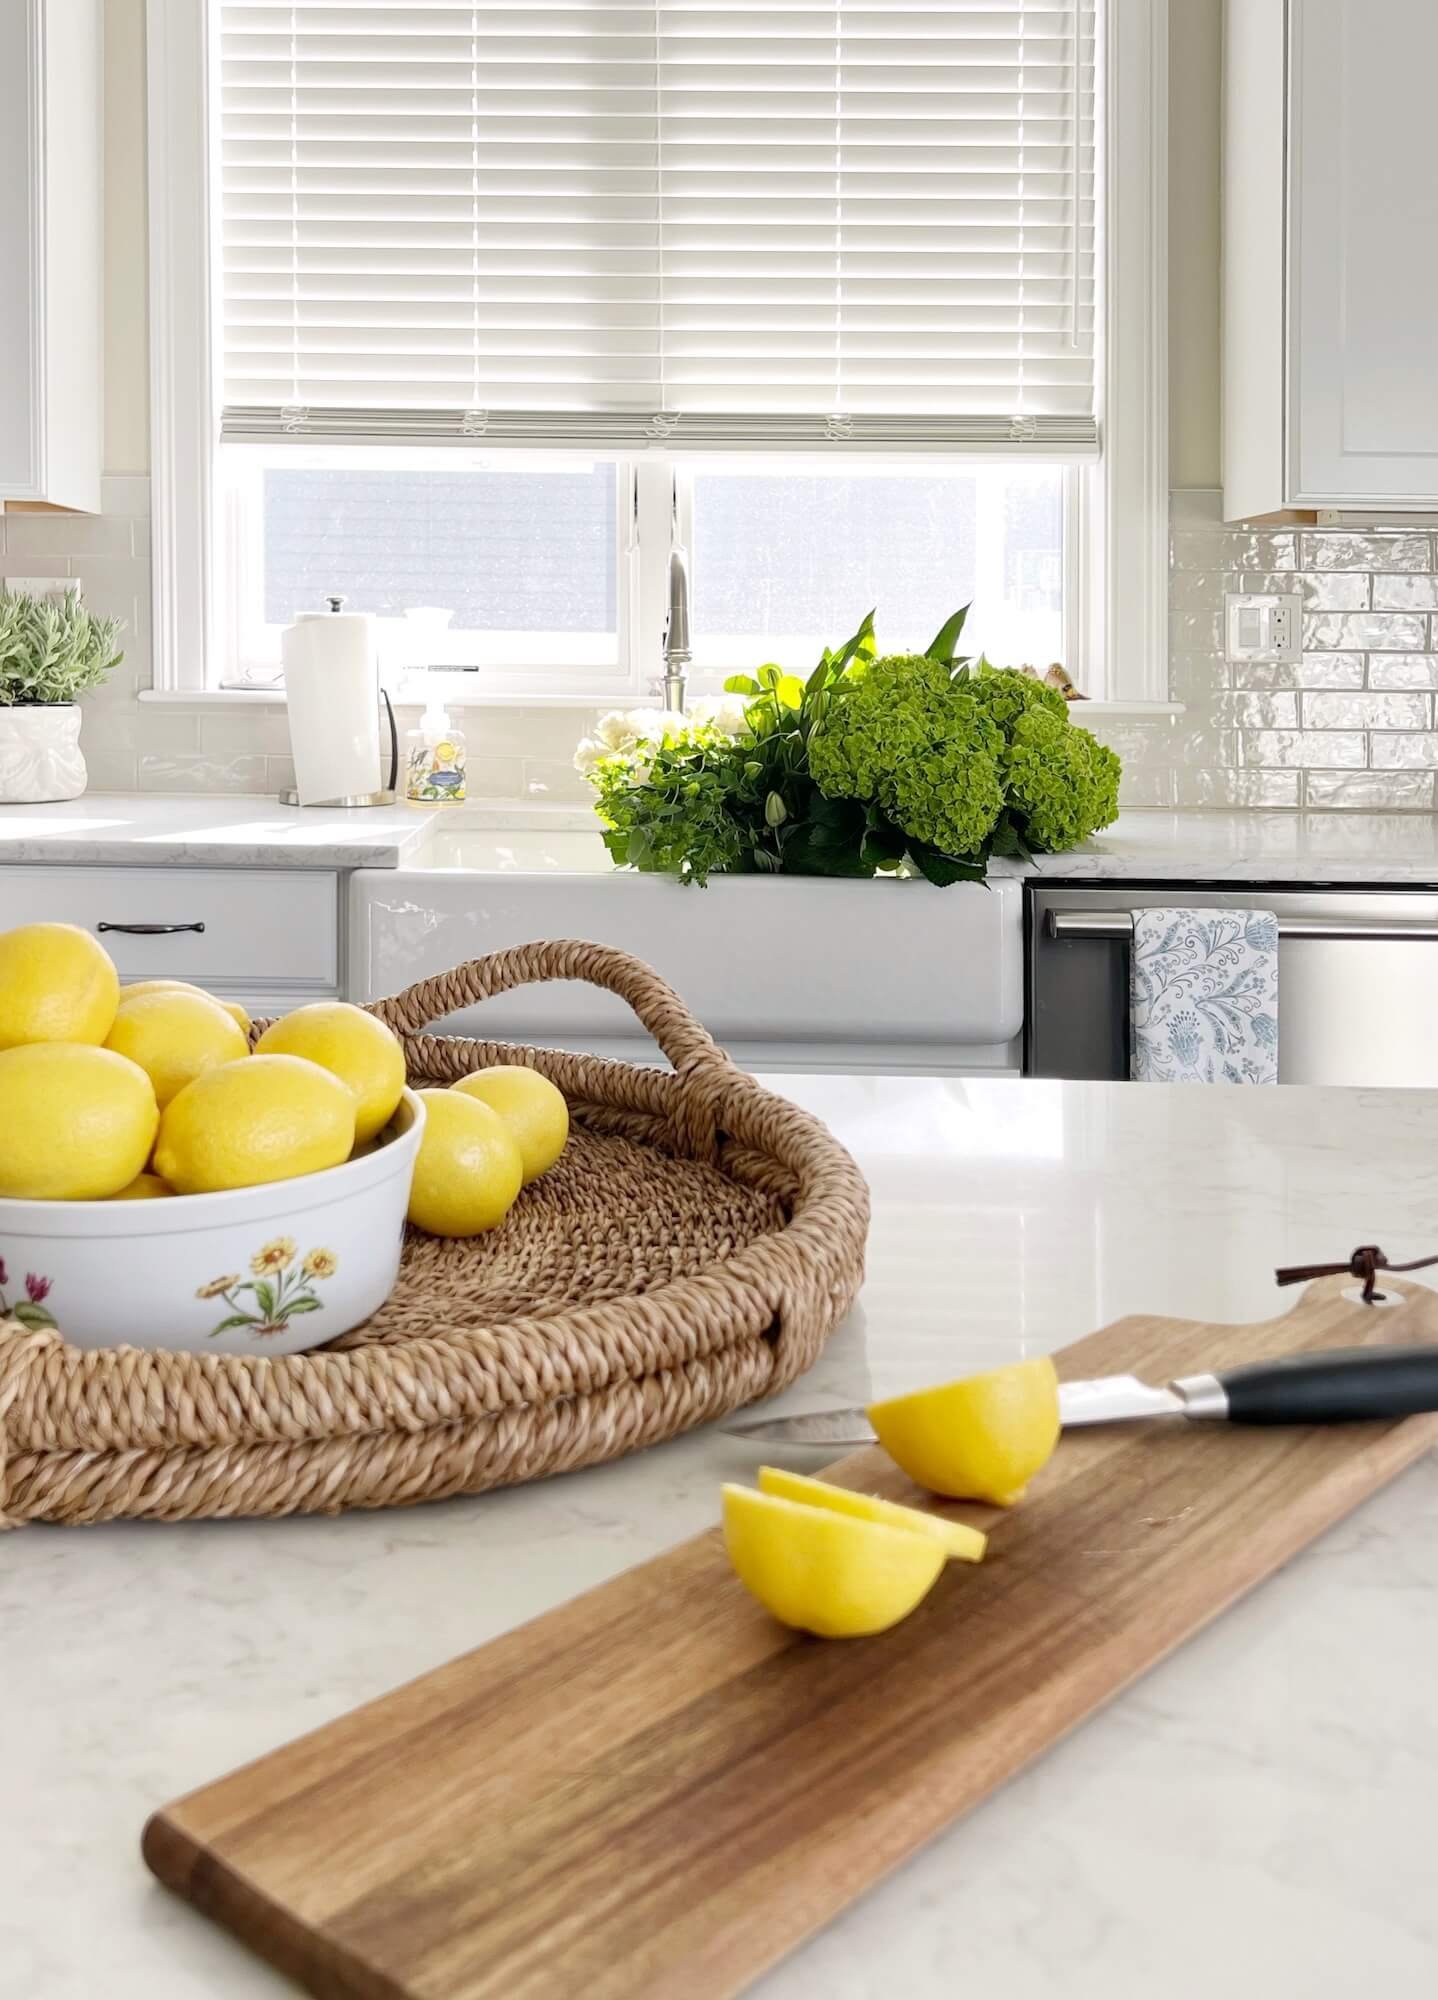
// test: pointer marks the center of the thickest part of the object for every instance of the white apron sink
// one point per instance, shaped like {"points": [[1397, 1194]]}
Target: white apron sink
{"points": [[790, 970]]}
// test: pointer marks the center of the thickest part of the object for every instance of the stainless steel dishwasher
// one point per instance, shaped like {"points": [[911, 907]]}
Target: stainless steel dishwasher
{"points": [[1357, 978]]}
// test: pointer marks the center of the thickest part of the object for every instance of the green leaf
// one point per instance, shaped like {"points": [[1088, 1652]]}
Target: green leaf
{"points": [[861, 646], [770, 675], [884, 846], [32, 1315], [775, 810], [305, 1303], [235, 1319], [264, 1297], [789, 691], [741, 684], [821, 675], [943, 869], [941, 646]]}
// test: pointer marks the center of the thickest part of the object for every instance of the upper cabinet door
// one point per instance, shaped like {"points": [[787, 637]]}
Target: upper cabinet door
{"points": [[50, 250], [1362, 401]]}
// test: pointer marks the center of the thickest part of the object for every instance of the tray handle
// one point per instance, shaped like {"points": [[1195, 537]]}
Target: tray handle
{"points": [[656, 1004]]}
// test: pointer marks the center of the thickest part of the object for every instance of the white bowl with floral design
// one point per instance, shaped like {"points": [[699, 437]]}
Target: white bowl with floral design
{"points": [[262, 1270]]}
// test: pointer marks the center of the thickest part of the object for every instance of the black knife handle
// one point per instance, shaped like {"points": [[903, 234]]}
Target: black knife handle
{"points": [[1345, 1385]]}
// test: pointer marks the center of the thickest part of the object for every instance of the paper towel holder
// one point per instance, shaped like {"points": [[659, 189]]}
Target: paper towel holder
{"points": [[388, 793]]}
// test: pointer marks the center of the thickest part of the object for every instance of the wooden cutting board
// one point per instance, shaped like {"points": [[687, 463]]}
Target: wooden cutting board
{"points": [[656, 1790]]}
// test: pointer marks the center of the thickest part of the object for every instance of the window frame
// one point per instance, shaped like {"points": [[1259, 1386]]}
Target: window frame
{"points": [[1116, 512]]}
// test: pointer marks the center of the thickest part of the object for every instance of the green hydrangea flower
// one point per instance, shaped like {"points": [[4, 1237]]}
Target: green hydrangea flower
{"points": [[1004, 694], [896, 709], [907, 736], [1061, 781]]}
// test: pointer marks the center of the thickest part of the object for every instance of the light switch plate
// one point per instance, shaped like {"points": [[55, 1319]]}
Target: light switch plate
{"points": [[1262, 625]]}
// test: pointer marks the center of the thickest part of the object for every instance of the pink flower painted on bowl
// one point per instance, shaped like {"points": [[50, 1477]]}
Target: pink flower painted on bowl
{"points": [[31, 1311], [268, 1300]]}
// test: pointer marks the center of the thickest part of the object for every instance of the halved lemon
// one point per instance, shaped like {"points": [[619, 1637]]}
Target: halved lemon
{"points": [[961, 1543], [980, 1439], [825, 1572]]}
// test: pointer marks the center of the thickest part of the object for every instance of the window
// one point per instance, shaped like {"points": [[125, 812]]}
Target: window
{"points": [[484, 299]]}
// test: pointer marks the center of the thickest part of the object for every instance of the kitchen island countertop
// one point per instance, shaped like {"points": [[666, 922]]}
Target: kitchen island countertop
{"points": [[1251, 1818]]}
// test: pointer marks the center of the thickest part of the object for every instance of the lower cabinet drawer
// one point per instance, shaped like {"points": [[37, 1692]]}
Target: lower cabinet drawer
{"points": [[235, 927]]}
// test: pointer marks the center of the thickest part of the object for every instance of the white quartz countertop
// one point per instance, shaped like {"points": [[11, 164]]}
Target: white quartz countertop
{"points": [[1252, 1818], [500, 837]]}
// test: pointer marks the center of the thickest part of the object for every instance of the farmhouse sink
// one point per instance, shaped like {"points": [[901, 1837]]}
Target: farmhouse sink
{"points": [[786, 971]]}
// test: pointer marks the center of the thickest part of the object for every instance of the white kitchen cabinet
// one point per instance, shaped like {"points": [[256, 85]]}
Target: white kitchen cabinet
{"points": [[268, 937], [51, 122], [1330, 213]]}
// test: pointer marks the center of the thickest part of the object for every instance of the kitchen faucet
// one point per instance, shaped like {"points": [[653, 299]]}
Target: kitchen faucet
{"points": [[677, 654]]}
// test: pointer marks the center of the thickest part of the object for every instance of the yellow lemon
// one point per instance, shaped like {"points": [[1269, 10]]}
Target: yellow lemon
{"points": [[825, 1572], [980, 1439], [468, 1170], [57, 984], [959, 1542], [268, 1118], [175, 1035], [76, 1122], [232, 1007], [361, 1051], [532, 1108], [144, 1187]]}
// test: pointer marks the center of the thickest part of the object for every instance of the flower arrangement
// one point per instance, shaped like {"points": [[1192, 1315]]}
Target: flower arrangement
{"points": [[905, 763], [52, 649]]}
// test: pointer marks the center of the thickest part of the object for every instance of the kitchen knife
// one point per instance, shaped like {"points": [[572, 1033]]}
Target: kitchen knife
{"points": [[1338, 1386]]}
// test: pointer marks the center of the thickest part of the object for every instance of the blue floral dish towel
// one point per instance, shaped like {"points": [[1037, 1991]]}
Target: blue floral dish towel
{"points": [[1203, 996]]}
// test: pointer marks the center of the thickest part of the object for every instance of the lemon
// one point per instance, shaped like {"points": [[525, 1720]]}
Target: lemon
{"points": [[232, 1007], [965, 1544], [144, 1187], [175, 1035], [532, 1108], [361, 1051], [76, 1122], [980, 1439], [267, 1118], [57, 984], [468, 1169], [826, 1572]]}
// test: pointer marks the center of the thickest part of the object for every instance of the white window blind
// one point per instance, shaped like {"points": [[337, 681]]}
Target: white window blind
{"points": [[605, 225]]}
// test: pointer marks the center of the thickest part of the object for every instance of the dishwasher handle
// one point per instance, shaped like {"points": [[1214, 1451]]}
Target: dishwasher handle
{"points": [[1066, 924]]}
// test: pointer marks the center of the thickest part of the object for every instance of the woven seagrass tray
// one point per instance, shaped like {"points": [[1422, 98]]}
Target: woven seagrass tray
{"points": [[692, 1250]]}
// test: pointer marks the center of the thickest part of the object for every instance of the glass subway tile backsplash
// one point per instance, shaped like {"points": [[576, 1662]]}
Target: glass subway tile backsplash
{"points": [[1351, 723]]}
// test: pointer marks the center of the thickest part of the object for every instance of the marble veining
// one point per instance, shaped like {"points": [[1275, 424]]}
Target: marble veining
{"points": [[1251, 1818]]}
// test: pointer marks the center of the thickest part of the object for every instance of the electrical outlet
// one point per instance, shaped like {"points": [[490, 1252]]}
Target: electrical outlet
{"points": [[1262, 626]]}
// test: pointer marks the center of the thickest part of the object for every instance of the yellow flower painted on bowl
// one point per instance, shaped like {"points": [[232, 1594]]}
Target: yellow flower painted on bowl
{"points": [[218, 1286], [274, 1256], [276, 1292]]}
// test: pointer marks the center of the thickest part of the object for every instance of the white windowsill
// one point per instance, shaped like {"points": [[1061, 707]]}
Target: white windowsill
{"points": [[1143, 711]]}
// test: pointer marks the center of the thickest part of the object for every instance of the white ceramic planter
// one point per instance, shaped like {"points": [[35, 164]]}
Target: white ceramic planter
{"points": [[262, 1270], [40, 757]]}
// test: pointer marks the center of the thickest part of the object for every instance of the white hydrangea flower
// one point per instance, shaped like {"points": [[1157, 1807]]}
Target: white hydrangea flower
{"points": [[616, 731], [588, 754]]}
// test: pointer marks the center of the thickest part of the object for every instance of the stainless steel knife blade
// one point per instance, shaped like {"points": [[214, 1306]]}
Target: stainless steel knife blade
{"points": [[1109, 1400]]}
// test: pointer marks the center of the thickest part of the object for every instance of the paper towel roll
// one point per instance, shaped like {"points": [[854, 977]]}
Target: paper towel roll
{"points": [[332, 687]]}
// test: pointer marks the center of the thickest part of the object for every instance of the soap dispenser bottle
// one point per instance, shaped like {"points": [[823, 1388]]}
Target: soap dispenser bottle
{"points": [[434, 760]]}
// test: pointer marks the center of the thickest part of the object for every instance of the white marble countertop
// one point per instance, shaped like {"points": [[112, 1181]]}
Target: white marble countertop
{"points": [[1252, 1818], [509, 837], [1308, 849], [156, 829]]}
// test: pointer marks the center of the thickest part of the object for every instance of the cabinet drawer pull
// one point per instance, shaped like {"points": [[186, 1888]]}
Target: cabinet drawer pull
{"points": [[149, 930]]}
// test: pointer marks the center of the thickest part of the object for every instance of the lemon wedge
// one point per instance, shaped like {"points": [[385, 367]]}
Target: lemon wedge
{"points": [[980, 1439], [825, 1572], [959, 1543]]}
